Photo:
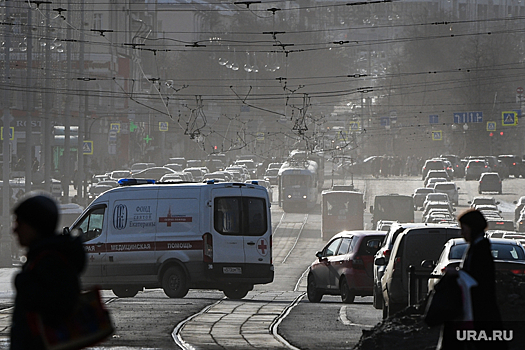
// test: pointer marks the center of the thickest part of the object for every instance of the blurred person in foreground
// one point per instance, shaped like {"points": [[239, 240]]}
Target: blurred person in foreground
{"points": [[49, 282], [478, 262]]}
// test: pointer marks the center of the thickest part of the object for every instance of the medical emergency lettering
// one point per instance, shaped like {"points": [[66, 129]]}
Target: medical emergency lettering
{"points": [[130, 247], [179, 246], [168, 219]]}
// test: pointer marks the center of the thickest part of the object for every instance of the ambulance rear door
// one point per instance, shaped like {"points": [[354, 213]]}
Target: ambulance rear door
{"points": [[227, 230], [257, 226]]}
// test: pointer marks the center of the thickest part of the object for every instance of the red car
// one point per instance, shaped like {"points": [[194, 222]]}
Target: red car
{"points": [[345, 266]]}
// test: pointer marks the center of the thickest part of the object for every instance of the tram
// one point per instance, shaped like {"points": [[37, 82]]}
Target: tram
{"points": [[298, 185]]}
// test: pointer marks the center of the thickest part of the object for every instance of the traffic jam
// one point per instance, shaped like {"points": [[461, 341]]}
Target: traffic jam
{"points": [[272, 174]]}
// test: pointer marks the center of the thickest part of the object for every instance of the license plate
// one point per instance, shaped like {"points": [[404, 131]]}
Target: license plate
{"points": [[232, 270]]}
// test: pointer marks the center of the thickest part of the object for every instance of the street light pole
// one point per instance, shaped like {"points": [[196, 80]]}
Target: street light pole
{"points": [[5, 239]]}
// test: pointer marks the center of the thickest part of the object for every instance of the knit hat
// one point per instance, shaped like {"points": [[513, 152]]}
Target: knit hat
{"points": [[474, 219], [38, 210]]}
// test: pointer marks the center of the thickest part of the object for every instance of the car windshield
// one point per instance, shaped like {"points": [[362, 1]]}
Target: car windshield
{"points": [[499, 251]]}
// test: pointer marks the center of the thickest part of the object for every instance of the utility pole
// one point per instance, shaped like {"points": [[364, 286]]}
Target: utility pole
{"points": [[5, 238], [66, 163], [29, 102], [47, 106], [82, 110]]}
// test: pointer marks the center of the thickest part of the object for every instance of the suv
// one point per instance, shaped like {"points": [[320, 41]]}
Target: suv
{"points": [[419, 196], [474, 169], [514, 164], [489, 182], [411, 247], [432, 164], [435, 174], [344, 266], [449, 188], [384, 252], [459, 170]]}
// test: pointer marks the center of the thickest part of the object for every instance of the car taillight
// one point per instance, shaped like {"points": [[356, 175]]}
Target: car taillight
{"points": [[207, 248], [358, 263], [513, 163], [397, 262], [518, 271]]}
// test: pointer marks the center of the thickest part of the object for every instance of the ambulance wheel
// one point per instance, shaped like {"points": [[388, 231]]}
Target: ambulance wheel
{"points": [[237, 292], [125, 291], [174, 282]]}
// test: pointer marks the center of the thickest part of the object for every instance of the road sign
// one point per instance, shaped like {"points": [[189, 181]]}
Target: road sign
{"points": [[112, 136], [437, 135], [468, 117], [115, 127], [259, 136], [163, 126], [87, 147], [11, 133], [491, 126], [509, 118], [433, 119], [354, 126], [519, 90], [385, 121]]}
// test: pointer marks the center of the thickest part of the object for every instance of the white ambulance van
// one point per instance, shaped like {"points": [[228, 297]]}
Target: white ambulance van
{"points": [[178, 236]]}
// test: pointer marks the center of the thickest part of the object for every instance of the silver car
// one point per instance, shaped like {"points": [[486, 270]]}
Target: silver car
{"points": [[449, 188]]}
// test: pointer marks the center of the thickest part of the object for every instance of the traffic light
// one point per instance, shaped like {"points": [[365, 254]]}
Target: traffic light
{"points": [[501, 133], [491, 134]]}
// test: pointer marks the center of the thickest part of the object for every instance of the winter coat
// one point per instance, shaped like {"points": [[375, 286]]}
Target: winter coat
{"points": [[49, 284], [478, 263]]}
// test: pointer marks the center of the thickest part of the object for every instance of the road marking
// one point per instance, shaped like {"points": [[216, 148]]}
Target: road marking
{"points": [[275, 325], [346, 321]]}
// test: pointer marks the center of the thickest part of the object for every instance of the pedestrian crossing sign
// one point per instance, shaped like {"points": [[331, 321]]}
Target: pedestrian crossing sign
{"points": [[11, 133], [115, 127], [509, 118], [163, 126], [355, 126], [437, 135], [87, 147], [491, 126]]}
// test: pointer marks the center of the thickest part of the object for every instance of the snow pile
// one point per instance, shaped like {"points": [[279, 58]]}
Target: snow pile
{"points": [[407, 331]]}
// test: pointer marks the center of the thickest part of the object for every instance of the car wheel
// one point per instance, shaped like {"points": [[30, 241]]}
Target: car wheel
{"points": [[237, 292], [347, 295], [125, 291], [378, 299], [174, 282], [313, 293]]}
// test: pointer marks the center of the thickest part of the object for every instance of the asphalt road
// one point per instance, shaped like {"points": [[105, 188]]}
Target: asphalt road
{"points": [[273, 316]]}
